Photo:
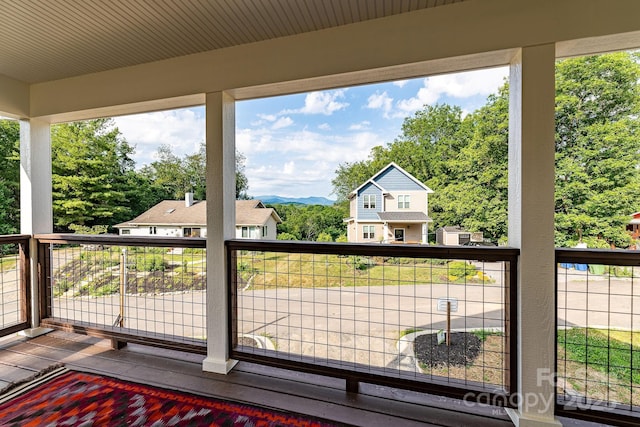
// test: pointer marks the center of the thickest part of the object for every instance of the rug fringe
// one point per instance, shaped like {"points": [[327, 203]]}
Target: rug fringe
{"points": [[18, 387]]}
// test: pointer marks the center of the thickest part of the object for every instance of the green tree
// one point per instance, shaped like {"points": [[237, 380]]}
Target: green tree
{"points": [[177, 176], [597, 148], [90, 161], [9, 176], [311, 222]]}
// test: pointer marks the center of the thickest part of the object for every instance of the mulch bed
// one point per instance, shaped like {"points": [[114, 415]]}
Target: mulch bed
{"points": [[463, 349]]}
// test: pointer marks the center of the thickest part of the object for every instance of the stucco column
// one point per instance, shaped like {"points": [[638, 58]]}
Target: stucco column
{"points": [[220, 147], [531, 216], [36, 206]]}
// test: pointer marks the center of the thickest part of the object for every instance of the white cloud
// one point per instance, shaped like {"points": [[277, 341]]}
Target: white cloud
{"points": [[380, 101], [268, 117], [400, 83], [324, 126], [183, 130], [282, 122], [459, 85], [298, 163], [289, 168], [360, 126], [321, 103]]}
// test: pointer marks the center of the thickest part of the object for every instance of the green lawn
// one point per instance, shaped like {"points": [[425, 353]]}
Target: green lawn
{"points": [[271, 270], [612, 352]]}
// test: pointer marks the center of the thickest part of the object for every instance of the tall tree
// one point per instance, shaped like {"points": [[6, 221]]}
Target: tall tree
{"points": [[188, 174], [597, 147], [9, 176], [90, 162]]}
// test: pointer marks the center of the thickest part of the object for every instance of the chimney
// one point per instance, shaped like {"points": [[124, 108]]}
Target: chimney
{"points": [[188, 199]]}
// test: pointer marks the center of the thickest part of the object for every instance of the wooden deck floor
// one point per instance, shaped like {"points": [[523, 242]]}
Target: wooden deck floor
{"points": [[290, 391]]}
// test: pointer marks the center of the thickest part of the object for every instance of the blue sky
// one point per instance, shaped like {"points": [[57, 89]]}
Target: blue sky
{"points": [[293, 144]]}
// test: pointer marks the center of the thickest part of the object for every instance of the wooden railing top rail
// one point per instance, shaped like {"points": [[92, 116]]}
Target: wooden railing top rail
{"points": [[14, 238], [377, 249], [101, 239], [620, 257]]}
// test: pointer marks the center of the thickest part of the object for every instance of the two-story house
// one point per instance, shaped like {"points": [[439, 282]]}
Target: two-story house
{"points": [[390, 207]]}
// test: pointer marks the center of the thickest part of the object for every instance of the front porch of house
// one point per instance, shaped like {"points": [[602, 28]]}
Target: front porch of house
{"points": [[220, 290]]}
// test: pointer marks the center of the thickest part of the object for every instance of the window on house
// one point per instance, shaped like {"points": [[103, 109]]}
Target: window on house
{"points": [[369, 201], [126, 232], [403, 201], [191, 232], [153, 230], [368, 231], [245, 232], [264, 231]]}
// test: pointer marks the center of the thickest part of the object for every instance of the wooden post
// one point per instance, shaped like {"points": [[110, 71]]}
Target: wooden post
{"points": [[115, 344], [448, 323]]}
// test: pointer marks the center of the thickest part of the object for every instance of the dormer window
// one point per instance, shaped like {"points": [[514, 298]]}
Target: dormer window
{"points": [[403, 201], [369, 201]]}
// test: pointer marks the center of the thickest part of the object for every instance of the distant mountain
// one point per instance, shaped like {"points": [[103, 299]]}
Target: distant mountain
{"points": [[272, 200]]}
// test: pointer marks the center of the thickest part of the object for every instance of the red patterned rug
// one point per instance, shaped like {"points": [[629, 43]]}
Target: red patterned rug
{"points": [[70, 398]]}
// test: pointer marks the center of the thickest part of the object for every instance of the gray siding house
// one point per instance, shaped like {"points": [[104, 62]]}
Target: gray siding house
{"points": [[390, 207]]}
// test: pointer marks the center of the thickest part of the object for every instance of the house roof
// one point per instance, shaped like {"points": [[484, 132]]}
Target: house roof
{"points": [[175, 212], [404, 216], [454, 229], [253, 212], [372, 180]]}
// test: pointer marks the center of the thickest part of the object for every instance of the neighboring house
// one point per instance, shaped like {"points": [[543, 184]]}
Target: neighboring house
{"points": [[255, 221], [188, 218], [456, 236], [452, 236], [634, 226], [390, 207]]}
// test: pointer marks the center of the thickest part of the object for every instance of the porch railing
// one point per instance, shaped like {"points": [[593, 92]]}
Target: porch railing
{"points": [[15, 304], [598, 335], [130, 289], [375, 313]]}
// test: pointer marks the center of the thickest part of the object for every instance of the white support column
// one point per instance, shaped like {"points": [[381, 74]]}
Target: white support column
{"points": [[531, 210], [36, 206], [221, 195]]}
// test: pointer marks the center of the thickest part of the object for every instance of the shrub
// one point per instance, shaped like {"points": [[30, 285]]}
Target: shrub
{"points": [[362, 262], [461, 269], [151, 263], [342, 238]]}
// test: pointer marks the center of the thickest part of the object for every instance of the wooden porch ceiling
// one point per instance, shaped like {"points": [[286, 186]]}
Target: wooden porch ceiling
{"points": [[44, 41]]}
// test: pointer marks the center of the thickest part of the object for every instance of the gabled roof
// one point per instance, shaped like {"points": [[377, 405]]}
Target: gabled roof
{"points": [[175, 212], [253, 212], [372, 180]]}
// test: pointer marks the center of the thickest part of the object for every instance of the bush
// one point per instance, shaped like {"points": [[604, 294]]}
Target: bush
{"points": [[362, 262], [151, 263], [342, 238], [461, 269]]}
